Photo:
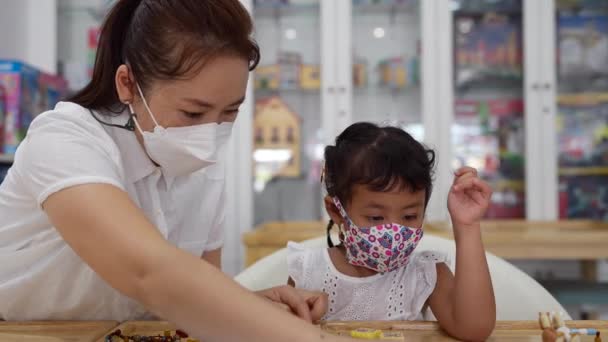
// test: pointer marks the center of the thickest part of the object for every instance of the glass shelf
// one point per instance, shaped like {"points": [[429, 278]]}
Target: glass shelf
{"points": [[386, 8]]}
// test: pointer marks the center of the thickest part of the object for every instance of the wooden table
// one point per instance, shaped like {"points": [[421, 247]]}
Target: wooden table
{"points": [[509, 239], [520, 331], [413, 331], [54, 331]]}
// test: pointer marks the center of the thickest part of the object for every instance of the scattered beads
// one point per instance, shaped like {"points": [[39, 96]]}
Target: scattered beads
{"points": [[167, 336]]}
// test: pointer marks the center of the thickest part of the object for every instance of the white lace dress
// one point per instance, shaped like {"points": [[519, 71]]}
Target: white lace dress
{"points": [[397, 295]]}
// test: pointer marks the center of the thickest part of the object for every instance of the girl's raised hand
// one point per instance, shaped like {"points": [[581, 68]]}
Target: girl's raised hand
{"points": [[469, 198]]}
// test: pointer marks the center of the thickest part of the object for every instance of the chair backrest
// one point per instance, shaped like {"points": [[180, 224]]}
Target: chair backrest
{"points": [[518, 296]]}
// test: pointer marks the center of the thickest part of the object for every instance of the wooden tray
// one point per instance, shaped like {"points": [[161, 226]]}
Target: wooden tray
{"points": [[54, 331], [144, 328]]}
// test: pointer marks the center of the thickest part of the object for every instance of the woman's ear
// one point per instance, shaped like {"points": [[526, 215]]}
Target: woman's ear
{"points": [[124, 84], [332, 210]]}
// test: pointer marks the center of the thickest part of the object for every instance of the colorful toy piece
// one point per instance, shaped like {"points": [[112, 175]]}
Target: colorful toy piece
{"points": [[555, 329], [366, 334]]}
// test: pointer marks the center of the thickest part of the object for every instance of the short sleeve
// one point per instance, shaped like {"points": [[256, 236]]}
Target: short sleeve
{"points": [[425, 264], [63, 150], [215, 238], [296, 264]]}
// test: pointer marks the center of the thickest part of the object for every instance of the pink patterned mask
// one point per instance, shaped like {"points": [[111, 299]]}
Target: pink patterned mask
{"points": [[382, 248]]}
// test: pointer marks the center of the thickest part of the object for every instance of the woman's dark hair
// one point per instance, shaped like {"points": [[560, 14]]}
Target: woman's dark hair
{"points": [[381, 158], [164, 40]]}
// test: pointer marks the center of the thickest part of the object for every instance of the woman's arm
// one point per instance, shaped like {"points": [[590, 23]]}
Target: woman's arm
{"points": [[214, 257], [115, 239]]}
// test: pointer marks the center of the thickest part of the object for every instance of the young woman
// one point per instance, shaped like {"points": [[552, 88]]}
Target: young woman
{"points": [[114, 196]]}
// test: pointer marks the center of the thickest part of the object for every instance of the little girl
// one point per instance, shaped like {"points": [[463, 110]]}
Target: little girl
{"points": [[379, 181]]}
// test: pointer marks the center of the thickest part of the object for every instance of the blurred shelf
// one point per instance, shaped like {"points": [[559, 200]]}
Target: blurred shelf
{"points": [[582, 99], [408, 7], [583, 171], [279, 92], [286, 10], [382, 90], [506, 184], [571, 292], [6, 158]]}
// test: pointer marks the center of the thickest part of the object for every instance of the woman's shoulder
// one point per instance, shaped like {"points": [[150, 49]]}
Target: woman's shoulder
{"points": [[69, 130], [67, 116]]}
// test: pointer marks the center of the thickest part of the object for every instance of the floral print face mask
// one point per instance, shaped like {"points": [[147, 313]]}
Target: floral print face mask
{"points": [[381, 248]]}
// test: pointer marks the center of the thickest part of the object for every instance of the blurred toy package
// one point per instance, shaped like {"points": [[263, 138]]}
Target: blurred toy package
{"points": [[310, 77], [583, 46], [289, 65], [27, 93], [2, 116], [267, 77]]}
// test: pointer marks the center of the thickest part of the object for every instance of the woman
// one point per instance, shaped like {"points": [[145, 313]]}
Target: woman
{"points": [[114, 196]]}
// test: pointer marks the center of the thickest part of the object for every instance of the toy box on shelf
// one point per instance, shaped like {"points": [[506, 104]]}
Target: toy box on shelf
{"points": [[359, 72], [267, 77], [399, 72], [28, 92], [583, 51], [310, 77], [490, 134], [488, 47], [290, 64], [583, 135], [583, 155]]}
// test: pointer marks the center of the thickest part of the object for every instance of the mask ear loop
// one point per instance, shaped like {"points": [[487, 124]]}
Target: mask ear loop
{"points": [[132, 123], [141, 94], [341, 235]]}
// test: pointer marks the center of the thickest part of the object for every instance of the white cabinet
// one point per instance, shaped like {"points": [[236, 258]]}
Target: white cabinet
{"points": [[474, 79]]}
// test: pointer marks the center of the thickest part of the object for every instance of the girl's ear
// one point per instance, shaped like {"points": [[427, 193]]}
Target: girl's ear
{"points": [[332, 211]]}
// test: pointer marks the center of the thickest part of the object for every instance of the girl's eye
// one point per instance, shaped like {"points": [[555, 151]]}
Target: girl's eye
{"points": [[375, 218], [410, 217], [232, 112]]}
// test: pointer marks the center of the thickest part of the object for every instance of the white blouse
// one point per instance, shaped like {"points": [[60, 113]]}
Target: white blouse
{"points": [[41, 278], [397, 295]]}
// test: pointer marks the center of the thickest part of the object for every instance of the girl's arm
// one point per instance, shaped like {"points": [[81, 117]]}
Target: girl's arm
{"points": [[464, 304], [105, 228]]}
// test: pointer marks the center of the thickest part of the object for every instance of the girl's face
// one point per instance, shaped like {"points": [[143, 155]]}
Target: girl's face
{"points": [[213, 95], [371, 208]]}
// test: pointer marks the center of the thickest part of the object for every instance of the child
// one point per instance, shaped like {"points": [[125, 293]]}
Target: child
{"points": [[379, 181]]}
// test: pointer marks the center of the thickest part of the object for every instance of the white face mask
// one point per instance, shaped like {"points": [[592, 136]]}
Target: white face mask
{"points": [[183, 150]]}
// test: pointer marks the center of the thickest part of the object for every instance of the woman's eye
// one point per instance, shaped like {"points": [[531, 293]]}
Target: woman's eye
{"points": [[193, 115], [232, 112]]}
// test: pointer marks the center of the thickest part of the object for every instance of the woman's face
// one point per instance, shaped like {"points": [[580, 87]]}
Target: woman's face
{"points": [[213, 95]]}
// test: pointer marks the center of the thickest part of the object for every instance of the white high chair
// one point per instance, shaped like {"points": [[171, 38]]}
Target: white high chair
{"points": [[518, 296]]}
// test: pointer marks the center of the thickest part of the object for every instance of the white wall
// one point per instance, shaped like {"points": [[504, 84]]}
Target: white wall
{"points": [[28, 32]]}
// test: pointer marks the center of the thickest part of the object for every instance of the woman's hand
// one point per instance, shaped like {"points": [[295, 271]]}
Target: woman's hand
{"points": [[469, 199], [309, 306]]}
